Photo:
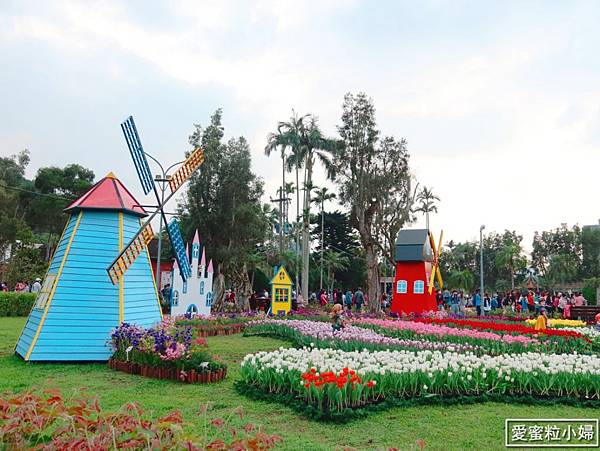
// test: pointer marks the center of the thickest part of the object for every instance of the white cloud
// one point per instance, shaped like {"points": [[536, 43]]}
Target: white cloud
{"points": [[532, 169]]}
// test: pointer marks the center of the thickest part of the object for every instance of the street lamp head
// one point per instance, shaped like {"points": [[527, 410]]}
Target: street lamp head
{"points": [[482, 227]]}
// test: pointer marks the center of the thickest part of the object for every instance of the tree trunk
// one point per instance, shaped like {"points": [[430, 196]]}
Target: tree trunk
{"points": [[373, 289], [512, 279], [281, 209], [242, 289], [297, 232], [305, 229], [322, 240], [219, 291]]}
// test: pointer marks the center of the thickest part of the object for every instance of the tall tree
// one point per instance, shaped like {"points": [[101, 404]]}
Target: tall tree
{"points": [[510, 257], [340, 236], [13, 200], [303, 135], [427, 200], [562, 240], [365, 168], [223, 202], [279, 140], [335, 261], [322, 195], [562, 269], [590, 244], [59, 186], [462, 280]]}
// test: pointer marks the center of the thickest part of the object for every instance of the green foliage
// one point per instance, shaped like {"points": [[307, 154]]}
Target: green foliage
{"points": [[261, 280], [550, 243], [590, 242], [223, 202], [562, 268], [16, 303], [31, 212], [461, 280], [26, 263], [504, 263], [340, 236], [374, 180], [590, 287], [427, 199]]}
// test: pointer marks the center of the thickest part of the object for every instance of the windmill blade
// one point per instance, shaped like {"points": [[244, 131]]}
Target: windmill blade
{"points": [[438, 275], [179, 249], [121, 264], [138, 155], [437, 261], [189, 166], [431, 279], [130, 253], [432, 243]]}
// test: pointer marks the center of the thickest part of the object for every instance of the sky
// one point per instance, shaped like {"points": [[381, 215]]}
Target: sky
{"points": [[499, 101]]}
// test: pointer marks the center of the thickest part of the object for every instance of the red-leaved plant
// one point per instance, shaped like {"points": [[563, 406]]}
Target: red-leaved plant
{"points": [[47, 421]]}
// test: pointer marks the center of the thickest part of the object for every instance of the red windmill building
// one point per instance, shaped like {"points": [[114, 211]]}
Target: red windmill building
{"points": [[417, 264]]}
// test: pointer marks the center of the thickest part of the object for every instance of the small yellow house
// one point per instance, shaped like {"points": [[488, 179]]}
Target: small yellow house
{"points": [[281, 292]]}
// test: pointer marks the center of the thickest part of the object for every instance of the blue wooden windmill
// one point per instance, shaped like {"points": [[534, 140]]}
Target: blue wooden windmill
{"points": [[86, 292]]}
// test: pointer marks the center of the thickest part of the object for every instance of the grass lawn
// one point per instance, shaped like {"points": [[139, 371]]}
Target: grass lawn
{"points": [[441, 428]]}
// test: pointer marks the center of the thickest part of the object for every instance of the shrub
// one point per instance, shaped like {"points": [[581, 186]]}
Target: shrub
{"points": [[47, 421], [589, 289], [16, 304]]}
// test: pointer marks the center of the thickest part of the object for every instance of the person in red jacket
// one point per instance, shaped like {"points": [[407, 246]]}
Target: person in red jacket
{"points": [[530, 302]]}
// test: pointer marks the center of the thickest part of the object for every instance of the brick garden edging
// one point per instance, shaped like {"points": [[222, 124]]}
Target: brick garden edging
{"points": [[190, 377], [212, 331]]}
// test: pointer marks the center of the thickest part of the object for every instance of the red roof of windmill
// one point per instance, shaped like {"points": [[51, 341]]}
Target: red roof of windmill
{"points": [[108, 194]]}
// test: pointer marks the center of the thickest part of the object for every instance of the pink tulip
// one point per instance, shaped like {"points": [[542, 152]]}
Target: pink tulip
{"points": [[442, 331]]}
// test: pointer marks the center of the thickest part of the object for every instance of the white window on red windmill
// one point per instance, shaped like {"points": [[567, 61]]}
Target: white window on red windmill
{"points": [[419, 287], [401, 287]]}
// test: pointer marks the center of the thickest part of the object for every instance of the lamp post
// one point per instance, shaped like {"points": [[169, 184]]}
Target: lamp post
{"points": [[481, 267], [163, 179]]}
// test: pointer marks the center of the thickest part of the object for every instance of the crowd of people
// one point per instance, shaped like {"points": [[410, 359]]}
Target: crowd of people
{"points": [[23, 286], [521, 302]]}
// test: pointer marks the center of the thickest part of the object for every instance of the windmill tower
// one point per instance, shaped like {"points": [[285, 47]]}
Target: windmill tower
{"points": [[193, 296], [86, 292], [78, 305], [417, 265]]}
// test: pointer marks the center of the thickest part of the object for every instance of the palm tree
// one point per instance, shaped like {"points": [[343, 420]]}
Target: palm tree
{"points": [[506, 258], [274, 141], [335, 261], [427, 200], [323, 195], [462, 279], [303, 135]]}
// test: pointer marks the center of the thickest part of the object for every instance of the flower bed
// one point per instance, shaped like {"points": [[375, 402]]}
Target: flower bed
{"points": [[322, 335], [560, 322], [502, 327], [166, 351], [334, 381], [488, 341]]}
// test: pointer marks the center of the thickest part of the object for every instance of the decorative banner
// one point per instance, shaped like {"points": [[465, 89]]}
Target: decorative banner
{"points": [[129, 254], [188, 167], [138, 155], [179, 249]]}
